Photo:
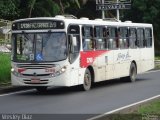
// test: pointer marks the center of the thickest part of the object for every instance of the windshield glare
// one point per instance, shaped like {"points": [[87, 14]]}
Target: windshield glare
{"points": [[39, 47]]}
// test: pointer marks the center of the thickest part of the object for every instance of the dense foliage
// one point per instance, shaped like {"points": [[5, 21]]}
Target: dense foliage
{"points": [[145, 11]]}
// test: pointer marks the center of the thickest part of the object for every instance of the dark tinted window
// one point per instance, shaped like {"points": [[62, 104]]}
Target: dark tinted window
{"points": [[100, 37], [112, 38], [148, 37], [123, 37], [132, 38], [87, 37], [140, 37]]}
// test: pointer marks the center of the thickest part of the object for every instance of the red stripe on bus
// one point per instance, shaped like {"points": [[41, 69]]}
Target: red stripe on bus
{"points": [[88, 57]]}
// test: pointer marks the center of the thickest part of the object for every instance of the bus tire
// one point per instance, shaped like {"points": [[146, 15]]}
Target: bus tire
{"points": [[41, 89], [87, 81], [132, 73]]}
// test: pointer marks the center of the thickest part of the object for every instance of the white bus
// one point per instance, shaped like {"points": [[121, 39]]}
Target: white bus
{"points": [[62, 51]]}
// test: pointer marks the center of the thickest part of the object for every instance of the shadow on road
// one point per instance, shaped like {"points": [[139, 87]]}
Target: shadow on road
{"points": [[56, 91]]}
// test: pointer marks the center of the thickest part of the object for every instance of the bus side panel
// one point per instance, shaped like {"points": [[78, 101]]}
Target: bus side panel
{"points": [[135, 56], [147, 59], [110, 65], [74, 72], [100, 68], [121, 63]]}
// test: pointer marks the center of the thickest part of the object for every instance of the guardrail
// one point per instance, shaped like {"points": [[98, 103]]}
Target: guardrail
{"points": [[157, 62]]}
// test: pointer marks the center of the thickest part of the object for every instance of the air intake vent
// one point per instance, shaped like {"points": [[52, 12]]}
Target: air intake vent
{"points": [[98, 19], [60, 17], [128, 21], [84, 18]]}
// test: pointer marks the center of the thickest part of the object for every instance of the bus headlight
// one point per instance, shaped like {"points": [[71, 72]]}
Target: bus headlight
{"points": [[15, 72], [12, 70], [59, 72]]}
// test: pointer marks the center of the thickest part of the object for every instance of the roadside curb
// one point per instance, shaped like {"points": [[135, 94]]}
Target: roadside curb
{"points": [[8, 89], [129, 109]]}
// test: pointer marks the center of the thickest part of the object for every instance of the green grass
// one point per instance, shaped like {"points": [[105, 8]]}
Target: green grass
{"points": [[157, 67], [157, 58], [151, 108], [5, 66], [122, 117], [148, 111]]}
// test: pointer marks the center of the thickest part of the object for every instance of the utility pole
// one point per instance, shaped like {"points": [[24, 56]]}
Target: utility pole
{"points": [[103, 11], [117, 11]]}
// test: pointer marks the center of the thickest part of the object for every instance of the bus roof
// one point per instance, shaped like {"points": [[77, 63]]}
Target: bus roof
{"points": [[86, 21]]}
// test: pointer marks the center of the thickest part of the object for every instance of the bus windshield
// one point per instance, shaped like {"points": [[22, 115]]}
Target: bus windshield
{"points": [[39, 47]]}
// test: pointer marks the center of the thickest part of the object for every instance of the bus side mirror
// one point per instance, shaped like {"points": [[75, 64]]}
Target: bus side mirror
{"points": [[71, 43]]}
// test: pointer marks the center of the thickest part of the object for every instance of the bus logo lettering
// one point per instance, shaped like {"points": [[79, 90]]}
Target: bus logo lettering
{"points": [[89, 60]]}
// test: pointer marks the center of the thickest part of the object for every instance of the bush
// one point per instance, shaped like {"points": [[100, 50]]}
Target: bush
{"points": [[5, 68]]}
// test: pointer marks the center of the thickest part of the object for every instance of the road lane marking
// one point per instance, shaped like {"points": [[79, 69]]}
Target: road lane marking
{"points": [[125, 107], [153, 71], [23, 91], [18, 92]]}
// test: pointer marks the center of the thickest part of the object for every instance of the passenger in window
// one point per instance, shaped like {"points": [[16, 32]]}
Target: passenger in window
{"points": [[132, 39], [118, 39], [62, 45], [87, 44]]}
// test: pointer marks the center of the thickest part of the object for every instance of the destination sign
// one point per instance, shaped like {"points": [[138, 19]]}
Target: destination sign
{"points": [[40, 24], [113, 6], [112, 1]]}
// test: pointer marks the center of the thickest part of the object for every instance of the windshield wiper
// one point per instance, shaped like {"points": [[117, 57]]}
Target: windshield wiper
{"points": [[26, 35]]}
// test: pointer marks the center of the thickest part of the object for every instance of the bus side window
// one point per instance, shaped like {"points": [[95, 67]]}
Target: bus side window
{"points": [[123, 37], [140, 37], [87, 38], [148, 37], [132, 38], [74, 42], [100, 37], [113, 39]]}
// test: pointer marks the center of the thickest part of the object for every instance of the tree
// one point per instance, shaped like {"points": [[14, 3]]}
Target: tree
{"points": [[68, 6], [43, 8], [146, 11], [89, 10], [31, 5], [9, 9]]}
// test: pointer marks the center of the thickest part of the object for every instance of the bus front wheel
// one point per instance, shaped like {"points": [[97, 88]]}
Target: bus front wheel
{"points": [[87, 82]]}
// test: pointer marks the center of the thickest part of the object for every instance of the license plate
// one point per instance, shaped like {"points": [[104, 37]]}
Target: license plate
{"points": [[35, 80]]}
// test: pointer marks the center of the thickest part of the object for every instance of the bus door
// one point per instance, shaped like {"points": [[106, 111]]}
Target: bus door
{"points": [[74, 49], [142, 49], [121, 54], [111, 45], [101, 51]]}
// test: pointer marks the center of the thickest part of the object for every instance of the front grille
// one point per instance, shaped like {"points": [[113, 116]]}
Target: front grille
{"points": [[39, 75], [35, 83], [27, 81], [35, 66]]}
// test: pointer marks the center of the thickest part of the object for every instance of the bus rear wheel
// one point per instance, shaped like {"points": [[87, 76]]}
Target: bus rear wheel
{"points": [[132, 74], [87, 82]]}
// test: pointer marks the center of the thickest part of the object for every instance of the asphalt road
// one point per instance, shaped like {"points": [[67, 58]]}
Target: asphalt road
{"points": [[102, 98]]}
